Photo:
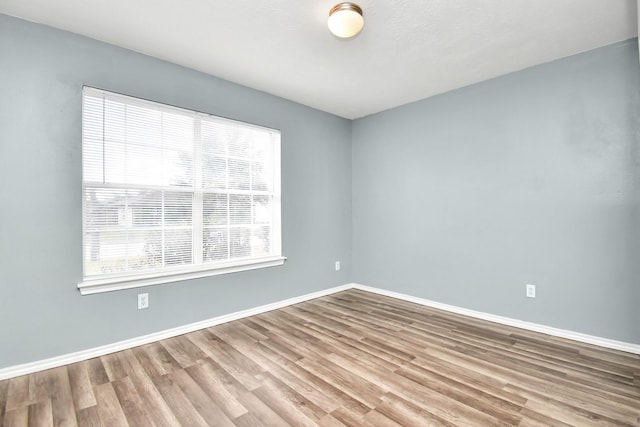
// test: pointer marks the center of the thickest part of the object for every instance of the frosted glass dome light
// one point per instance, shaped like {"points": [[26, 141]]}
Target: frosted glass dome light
{"points": [[345, 20]]}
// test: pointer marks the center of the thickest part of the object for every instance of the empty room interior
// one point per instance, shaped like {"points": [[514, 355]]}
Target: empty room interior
{"points": [[291, 213]]}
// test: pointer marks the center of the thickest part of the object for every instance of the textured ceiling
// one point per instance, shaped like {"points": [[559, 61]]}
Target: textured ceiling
{"points": [[408, 50]]}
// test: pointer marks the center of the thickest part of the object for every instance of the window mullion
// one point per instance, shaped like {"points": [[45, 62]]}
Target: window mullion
{"points": [[127, 232], [227, 188], [198, 213], [252, 227], [162, 228]]}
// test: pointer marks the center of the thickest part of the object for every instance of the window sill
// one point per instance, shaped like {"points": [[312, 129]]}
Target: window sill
{"points": [[99, 285]]}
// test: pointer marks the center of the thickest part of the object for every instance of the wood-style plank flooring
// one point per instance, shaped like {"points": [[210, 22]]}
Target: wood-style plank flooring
{"points": [[349, 359]]}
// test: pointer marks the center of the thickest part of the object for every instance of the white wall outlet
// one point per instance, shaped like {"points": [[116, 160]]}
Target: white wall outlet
{"points": [[337, 265], [143, 301], [531, 291]]}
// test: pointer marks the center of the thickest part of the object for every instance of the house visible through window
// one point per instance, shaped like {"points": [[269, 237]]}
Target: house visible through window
{"points": [[171, 194]]}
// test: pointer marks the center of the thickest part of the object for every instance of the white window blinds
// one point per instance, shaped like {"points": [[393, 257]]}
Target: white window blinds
{"points": [[168, 192]]}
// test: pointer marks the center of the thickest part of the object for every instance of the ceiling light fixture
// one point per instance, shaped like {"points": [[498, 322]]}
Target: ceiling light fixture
{"points": [[345, 20]]}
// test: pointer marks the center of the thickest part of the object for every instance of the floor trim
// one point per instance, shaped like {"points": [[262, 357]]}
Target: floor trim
{"points": [[535, 327], [54, 362]]}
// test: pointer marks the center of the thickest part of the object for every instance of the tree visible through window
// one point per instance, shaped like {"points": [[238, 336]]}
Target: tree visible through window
{"points": [[167, 189]]}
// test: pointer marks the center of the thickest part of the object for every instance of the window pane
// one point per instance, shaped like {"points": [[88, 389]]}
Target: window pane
{"points": [[104, 208], [260, 178], [215, 244], [214, 172], [143, 126], [92, 118], [115, 166], [239, 143], [152, 250], [137, 145], [177, 131], [114, 121], [123, 229], [177, 168], [118, 251], [239, 174], [143, 249], [240, 209], [178, 208], [178, 247], [215, 208], [144, 208], [261, 241], [262, 146], [214, 140], [262, 209], [104, 252], [240, 242]]}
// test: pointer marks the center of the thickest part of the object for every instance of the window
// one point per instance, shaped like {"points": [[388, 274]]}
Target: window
{"points": [[171, 194]]}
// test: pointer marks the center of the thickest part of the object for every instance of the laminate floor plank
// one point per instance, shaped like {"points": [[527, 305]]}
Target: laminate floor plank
{"points": [[219, 389], [263, 412], [359, 388], [4, 387], [89, 417], [350, 359], [41, 414], [248, 420], [153, 404], [109, 409], [421, 392], [321, 392], [583, 404], [281, 348], [18, 392], [183, 351], [339, 344], [131, 402], [476, 398], [231, 360], [348, 418], [330, 421], [61, 396], [159, 358], [376, 341], [409, 414], [378, 419], [314, 392], [288, 404], [81, 388], [203, 403], [177, 402], [151, 365], [116, 365], [18, 417], [97, 373], [37, 389]]}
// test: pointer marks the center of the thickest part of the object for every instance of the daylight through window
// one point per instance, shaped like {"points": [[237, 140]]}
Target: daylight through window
{"points": [[171, 194]]}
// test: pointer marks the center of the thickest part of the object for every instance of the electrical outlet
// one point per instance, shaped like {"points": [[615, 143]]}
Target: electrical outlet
{"points": [[143, 301], [531, 291], [337, 265]]}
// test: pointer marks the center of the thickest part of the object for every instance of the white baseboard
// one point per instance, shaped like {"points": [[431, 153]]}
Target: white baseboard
{"points": [[556, 332], [54, 362]]}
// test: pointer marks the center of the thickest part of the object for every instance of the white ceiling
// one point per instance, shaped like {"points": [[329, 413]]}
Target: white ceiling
{"points": [[408, 50]]}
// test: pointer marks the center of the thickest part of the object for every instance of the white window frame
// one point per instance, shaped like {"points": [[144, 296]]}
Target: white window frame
{"points": [[118, 281]]}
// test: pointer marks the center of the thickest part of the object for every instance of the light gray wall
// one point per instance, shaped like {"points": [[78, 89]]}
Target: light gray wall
{"points": [[42, 314], [533, 177]]}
